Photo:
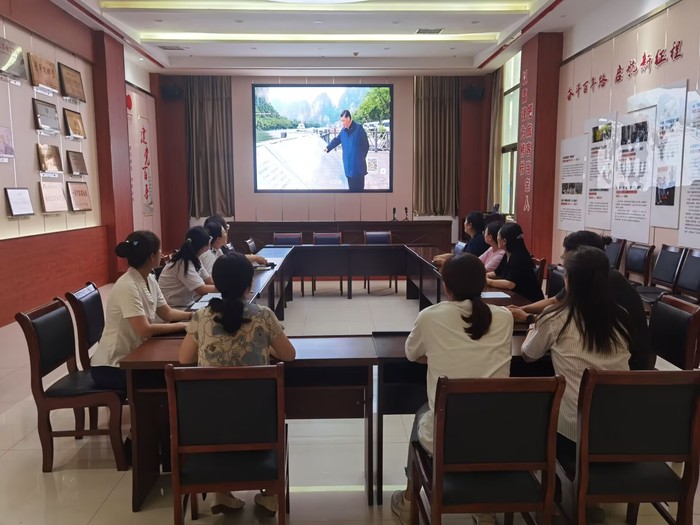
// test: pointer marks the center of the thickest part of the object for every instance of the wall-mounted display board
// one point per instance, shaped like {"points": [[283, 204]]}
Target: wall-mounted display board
{"points": [[49, 158], [71, 82], [76, 163], [7, 147], [46, 116], [74, 124], [599, 170], [79, 195], [689, 227], [53, 199], [19, 203], [42, 72], [572, 183], [12, 60]]}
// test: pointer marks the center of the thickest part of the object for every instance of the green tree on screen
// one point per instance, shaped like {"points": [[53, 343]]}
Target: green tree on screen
{"points": [[375, 107]]}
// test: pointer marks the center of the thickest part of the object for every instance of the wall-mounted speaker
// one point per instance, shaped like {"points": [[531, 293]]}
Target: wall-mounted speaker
{"points": [[473, 92], [171, 92]]}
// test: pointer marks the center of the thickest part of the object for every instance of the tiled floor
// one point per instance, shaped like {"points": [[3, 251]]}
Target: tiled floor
{"points": [[326, 457]]}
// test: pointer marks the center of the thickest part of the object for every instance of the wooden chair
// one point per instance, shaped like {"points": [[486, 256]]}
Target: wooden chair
{"points": [[51, 341], [252, 247], [629, 425], [614, 251], [540, 266], [215, 449], [555, 279], [492, 469], [665, 274], [327, 238], [380, 238], [688, 283], [459, 248], [638, 262], [674, 326]]}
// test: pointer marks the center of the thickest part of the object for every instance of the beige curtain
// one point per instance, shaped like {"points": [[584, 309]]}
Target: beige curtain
{"points": [[436, 145], [209, 145], [495, 165]]}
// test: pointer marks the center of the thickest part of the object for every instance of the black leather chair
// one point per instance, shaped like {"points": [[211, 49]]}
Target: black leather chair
{"points": [[219, 450], [665, 274], [638, 262], [674, 326], [327, 238], [614, 251], [286, 239], [492, 469], [630, 425], [555, 279], [539, 265], [51, 341], [380, 238], [688, 284], [252, 247]]}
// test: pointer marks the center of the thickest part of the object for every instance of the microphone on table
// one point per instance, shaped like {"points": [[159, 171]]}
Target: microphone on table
{"points": [[406, 212], [394, 214]]}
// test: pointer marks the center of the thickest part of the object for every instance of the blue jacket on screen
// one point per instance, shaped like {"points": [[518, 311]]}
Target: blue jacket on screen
{"points": [[355, 148]]}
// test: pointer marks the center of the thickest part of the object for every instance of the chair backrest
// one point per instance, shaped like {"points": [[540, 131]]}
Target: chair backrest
{"points": [[378, 237], [638, 416], [674, 326], [689, 277], [614, 251], [555, 279], [254, 420], [496, 407], [668, 265], [286, 239], [252, 247], [327, 238], [638, 261], [48, 330], [459, 248], [539, 266], [89, 314]]}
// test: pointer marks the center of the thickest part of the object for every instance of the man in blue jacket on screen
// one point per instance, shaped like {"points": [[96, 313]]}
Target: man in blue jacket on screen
{"points": [[355, 147]]}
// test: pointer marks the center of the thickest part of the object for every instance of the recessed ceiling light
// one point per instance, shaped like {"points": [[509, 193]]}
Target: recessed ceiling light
{"points": [[159, 20], [238, 21], [141, 59], [253, 48], [476, 21], [563, 16], [452, 48], [318, 21], [396, 22], [387, 48]]}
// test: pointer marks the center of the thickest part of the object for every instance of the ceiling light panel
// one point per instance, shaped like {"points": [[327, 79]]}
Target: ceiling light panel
{"points": [[266, 37]]}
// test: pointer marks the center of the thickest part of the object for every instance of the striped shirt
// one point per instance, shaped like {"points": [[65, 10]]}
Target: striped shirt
{"points": [[570, 359]]}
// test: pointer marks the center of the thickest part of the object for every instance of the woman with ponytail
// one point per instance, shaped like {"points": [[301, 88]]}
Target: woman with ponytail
{"points": [[184, 279], [233, 332], [462, 337], [131, 310]]}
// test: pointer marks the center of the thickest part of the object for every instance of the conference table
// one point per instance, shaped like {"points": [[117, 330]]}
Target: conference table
{"points": [[332, 376]]}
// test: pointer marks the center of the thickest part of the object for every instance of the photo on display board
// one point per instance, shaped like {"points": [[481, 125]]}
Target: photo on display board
{"points": [[71, 82], [7, 148], [76, 163], [601, 133], [19, 203], [53, 199], [46, 116], [79, 196], [42, 72], [12, 60], [49, 158], [74, 124]]}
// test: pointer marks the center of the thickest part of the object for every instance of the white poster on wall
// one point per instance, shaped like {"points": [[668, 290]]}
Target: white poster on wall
{"points": [[599, 171], [632, 187], [572, 183], [689, 228], [668, 157]]}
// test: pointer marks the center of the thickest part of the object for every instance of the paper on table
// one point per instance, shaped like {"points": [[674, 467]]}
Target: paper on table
{"points": [[494, 295], [208, 297]]}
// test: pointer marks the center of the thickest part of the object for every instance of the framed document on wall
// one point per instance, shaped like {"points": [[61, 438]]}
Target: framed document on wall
{"points": [[52, 197], [79, 196], [42, 72], [71, 82], [12, 60], [49, 158], [46, 116], [74, 124], [76, 163], [19, 203]]}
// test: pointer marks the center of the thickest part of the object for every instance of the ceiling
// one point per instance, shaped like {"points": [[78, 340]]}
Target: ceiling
{"points": [[325, 37]]}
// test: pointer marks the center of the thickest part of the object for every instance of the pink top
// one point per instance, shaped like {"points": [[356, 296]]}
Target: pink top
{"points": [[492, 258]]}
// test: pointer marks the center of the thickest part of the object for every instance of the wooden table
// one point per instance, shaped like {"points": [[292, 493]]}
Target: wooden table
{"points": [[331, 378]]}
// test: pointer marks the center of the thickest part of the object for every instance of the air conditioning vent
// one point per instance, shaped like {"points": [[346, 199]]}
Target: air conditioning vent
{"points": [[171, 48], [424, 31]]}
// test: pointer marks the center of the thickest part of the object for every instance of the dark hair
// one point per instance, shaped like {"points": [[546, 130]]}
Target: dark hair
{"points": [[585, 238], [215, 230], [232, 274], [346, 113], [138, 247], [512, 233], [196, 239], [465, 277], [216, 219], [476, 219], [493, 228], [602, 323]]}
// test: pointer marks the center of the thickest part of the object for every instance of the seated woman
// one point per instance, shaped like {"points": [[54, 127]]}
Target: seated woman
{"points": [[493, 256], [474, 226], [462, 337], [220, 246], [516, 271], [184, 279], [131, 310], [232, 332], [218, 220], [588, 329]]}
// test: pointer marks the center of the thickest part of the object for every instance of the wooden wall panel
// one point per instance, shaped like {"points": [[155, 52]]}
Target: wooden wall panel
{"points": [[40, 267]]}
